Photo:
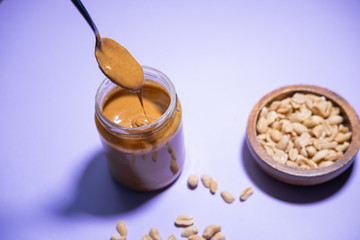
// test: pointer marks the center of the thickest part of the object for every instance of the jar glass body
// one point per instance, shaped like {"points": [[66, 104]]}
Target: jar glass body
{"points": [[149, 157]]}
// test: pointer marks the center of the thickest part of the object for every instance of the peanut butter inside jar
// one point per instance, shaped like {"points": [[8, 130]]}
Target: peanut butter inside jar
{"points": [[144, 147]]}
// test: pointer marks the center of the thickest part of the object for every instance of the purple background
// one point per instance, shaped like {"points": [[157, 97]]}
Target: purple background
{"points": [[222, 57]]}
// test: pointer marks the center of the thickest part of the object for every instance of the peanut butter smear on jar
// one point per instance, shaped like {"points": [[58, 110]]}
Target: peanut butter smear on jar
{"points": [[119, 65]]}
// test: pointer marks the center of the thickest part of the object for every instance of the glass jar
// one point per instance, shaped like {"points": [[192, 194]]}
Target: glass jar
{"points": [[148, 157]]}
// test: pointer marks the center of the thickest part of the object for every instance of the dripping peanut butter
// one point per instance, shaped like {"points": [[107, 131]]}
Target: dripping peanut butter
{"points": [[144, 152]]}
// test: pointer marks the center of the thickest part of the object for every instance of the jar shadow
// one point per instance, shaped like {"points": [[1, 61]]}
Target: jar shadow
{"points": [[287, 192], [98, 193]]}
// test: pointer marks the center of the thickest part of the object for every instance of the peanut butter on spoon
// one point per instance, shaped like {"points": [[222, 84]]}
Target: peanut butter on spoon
{"points": [[119, 65], [114, 60]]}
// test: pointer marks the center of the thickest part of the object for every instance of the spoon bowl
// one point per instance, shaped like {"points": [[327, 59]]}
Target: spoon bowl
{"points": [[115, 61]]}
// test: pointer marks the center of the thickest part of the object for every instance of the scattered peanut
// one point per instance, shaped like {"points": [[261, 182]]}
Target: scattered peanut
{"points": [[206, 180], [303, 131], [193, 181], [146, 237], [121, 228], [184, 220], [196, 237], [211, 230], [246, 194], [190, 230], [172, 237], [218, 236], [154, 234], [116, 237], [213, 186], [227, 196]]}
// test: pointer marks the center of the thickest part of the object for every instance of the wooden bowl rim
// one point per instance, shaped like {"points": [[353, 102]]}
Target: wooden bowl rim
{"points": [[342, 162]]}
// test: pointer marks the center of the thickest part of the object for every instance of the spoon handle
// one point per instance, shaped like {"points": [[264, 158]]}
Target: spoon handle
{"points": [[78, 4]]}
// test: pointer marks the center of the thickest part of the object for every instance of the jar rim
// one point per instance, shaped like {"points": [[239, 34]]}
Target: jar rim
{"points": [[142, 129]]}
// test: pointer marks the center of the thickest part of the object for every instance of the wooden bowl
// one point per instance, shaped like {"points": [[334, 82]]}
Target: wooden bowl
{"points": [[301, 176]]}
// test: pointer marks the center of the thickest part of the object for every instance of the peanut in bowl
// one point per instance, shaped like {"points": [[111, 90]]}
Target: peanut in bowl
{"points": [[303, 134]]}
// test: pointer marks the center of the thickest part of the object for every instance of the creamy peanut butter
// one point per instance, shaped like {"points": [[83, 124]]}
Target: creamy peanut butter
{"points": [[119, 65], [123, 107]]}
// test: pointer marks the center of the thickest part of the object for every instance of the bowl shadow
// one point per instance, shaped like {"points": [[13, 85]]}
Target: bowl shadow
{"points": [[98, 193], [287, 192]]}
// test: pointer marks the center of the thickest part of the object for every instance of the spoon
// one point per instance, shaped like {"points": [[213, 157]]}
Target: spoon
{"points": [[114, 60], [78, 4]]}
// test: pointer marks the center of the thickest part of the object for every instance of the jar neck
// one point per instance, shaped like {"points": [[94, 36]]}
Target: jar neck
{"points": [[150, 74]]}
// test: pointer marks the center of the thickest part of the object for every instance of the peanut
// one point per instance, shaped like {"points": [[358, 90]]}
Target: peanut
{"points": [[318, 131], [299, 128], [190, 230], [284, 108], [343, 129], [227, 196], [311, 150], [320, 155], [335, 119], [116, 237], [184, 220], [213, 186], [196, 237], [334, 111], [146, 237], [275, 135], [193, 181], [299, 98], [343, 137], [321, 144], [342, 147], [171, 237], [211, 230], [274, 105], [246, 194], [331, 156], [206, 180], [283, 143], [218, 236], [280, 156], [293, 154], [154, 234], [262, 126], [291, 164], [313, 121], [326, 164], [121, 228]]}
